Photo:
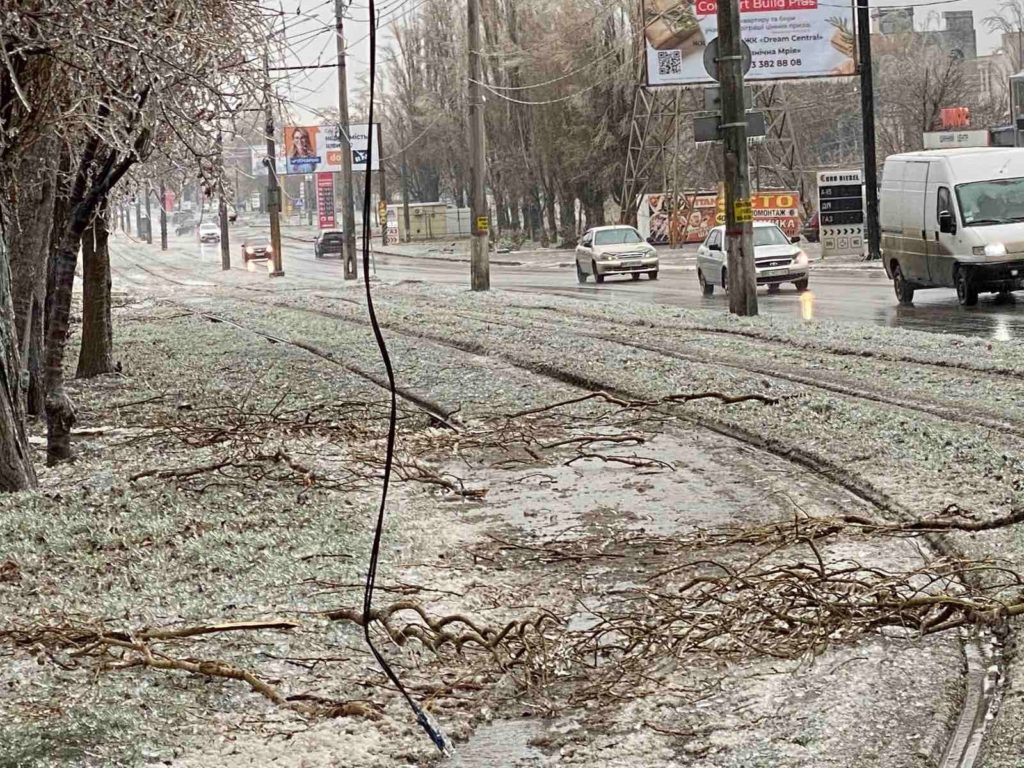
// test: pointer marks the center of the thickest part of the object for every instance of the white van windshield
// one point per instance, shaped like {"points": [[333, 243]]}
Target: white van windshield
{"points": [[984, 203]]}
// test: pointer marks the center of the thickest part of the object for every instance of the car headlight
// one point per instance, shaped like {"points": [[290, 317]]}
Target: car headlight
{"points": [[992, 249], [249, 250], [607, 257], [801, 259], [270, 249]]}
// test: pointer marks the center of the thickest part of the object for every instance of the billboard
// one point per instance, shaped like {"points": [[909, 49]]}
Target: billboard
{"points": [[787, 39], [317, 148], [697, 213]]}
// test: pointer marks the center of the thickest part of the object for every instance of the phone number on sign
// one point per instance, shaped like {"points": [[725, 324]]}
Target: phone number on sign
{"points": [[772, 63]]}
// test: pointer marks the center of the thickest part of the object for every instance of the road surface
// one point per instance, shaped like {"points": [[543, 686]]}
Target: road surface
{"points": [[843, 295]]}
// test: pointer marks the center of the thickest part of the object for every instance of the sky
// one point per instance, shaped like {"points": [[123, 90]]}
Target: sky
{"points": [[309, 29]]}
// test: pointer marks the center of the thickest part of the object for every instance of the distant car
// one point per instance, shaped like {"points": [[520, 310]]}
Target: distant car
{"points": [[329, 244], [184, 227], [209, 233], [256, 250], [811, 229], [777, 258], [617, 250]]}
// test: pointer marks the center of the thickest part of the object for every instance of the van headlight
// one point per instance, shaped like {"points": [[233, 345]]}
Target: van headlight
{"points": [[992, 249]]}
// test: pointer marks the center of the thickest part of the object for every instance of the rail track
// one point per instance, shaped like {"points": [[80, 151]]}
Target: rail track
{"points": [[984, 667]]}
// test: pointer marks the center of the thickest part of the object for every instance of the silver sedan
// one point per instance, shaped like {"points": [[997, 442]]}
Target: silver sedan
{"points": [[617, 250]]}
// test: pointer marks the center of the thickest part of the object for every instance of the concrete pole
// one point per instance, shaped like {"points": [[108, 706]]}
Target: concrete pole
{"points": [[348, 212], [739, 230], [163, 216], [273, 187], [405, 199], [480, 267]]}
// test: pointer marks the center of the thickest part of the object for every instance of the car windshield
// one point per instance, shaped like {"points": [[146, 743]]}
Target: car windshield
{"points": [[622, 236], [769, 236], [984, 203]]}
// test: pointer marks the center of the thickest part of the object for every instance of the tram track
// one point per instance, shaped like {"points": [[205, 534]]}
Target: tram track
{"points": [[983, 667]]}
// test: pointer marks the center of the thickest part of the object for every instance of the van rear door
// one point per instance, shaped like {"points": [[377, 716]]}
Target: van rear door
{"points": [[914, 259]]}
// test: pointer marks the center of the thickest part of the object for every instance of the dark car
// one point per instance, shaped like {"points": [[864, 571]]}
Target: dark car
{"points": [[811, 229], [257, 249], [184, 227], [329, 244]]}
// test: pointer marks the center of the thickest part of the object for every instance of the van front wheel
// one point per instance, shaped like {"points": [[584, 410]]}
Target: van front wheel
{"points": [[904, 291], [966, 291]]}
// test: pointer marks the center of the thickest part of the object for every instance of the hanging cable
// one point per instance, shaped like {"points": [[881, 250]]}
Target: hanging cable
{"points": [[433, 731]]}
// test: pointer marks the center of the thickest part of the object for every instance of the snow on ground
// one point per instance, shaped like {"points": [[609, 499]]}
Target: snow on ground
{"points": [[276, 541]]}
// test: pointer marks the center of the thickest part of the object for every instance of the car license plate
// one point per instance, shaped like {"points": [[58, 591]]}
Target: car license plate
{"points": [[775, 272]]}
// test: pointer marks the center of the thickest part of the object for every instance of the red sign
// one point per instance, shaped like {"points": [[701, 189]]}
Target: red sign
{"points": [[325, 200], [710, 7], [953, 118]]}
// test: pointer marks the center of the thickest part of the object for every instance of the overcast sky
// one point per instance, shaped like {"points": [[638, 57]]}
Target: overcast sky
{"points": [[309, 26]]}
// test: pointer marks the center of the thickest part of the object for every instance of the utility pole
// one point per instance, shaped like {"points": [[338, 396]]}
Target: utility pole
{"points": [[273, 188], [383, 188], [163, 216], [867, 106], [405, 198], [222, 208], [739, 229], [348, 213], [479, 259]]}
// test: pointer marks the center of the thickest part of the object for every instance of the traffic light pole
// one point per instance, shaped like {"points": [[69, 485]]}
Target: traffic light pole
{"points": [[867, 105], [739, 228]]}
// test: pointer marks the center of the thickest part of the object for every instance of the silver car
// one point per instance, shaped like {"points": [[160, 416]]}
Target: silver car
{"points": [[618, 250], [777, 258]]}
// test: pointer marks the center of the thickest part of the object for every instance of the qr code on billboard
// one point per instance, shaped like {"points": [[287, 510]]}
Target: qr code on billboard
{"points": [[670, 63]]}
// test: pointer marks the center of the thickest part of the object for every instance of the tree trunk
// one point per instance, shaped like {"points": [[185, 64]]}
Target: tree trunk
{"points": [[96, 356], [567, 220], [16, 472], [35, 400]]}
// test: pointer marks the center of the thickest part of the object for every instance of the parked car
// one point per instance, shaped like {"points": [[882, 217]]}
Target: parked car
{"points": [[617, 250], [256, 250], [209, 233], [329, 244], [811, 229], [777, 258], [954, 218]]}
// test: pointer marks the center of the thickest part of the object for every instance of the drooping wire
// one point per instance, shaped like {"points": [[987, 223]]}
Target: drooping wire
{"points": [[371, 574]]}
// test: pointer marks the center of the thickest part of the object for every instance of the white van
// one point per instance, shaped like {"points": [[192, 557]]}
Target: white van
{"points": [[954, 218]]}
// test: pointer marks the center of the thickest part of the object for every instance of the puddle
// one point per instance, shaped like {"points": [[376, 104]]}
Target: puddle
{"points": [[501, 744]]}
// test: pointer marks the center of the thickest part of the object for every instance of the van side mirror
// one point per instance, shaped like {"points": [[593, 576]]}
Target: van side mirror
{"points": [[947, 224]]}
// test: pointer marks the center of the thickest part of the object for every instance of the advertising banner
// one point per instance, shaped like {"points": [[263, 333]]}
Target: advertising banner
{"points": [[316, 148], [259, 167], [787, 39], [325, 201], [697, 213]]}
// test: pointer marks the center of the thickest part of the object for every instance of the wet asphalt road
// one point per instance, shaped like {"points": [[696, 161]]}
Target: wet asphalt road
{"points": [[853, 295]]}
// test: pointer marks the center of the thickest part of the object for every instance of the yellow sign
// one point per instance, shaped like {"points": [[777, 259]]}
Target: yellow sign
{"points": [[382, 210], [482, 224], [743, 210]]}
